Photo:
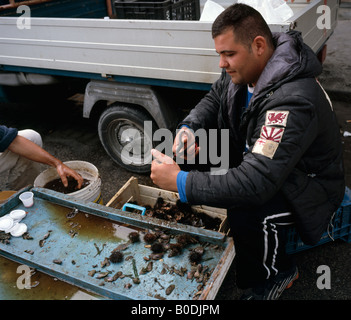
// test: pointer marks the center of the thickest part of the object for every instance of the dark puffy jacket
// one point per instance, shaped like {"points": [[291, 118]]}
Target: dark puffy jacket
{"points": [[7, 135], [292, 136]]}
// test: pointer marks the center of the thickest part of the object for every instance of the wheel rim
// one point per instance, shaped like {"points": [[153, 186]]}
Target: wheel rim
{"points": [[129, 143]]}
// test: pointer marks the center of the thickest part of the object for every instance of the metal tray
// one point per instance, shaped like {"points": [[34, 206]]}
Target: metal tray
{"points": [[83, 242]]}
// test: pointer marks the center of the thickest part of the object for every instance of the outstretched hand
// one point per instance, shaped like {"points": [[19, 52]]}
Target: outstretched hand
{"points": [[164, 171], [64, 172]]}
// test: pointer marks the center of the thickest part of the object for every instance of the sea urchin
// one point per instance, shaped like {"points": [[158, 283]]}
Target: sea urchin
{"points": [[116, 256]]}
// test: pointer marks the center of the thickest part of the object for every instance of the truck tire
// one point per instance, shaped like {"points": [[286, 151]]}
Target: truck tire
{"points": [[121, 132]]}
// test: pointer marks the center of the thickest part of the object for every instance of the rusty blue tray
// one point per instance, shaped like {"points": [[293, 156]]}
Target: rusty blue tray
{"points": [[73, 249]]}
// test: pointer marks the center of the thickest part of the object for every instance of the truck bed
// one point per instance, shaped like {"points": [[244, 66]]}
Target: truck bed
{"points": [[163, 50]]}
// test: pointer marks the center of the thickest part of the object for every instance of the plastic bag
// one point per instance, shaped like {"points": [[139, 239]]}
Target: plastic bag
{"points": [[211, 11], [273, 11], [279, 10]]}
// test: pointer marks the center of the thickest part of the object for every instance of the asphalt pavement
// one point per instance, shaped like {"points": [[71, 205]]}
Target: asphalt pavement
{"points": [[70, 137]]}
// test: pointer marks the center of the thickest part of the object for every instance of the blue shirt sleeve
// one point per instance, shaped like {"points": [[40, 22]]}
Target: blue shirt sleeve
{"points": [[181, 181], [7, 135]]}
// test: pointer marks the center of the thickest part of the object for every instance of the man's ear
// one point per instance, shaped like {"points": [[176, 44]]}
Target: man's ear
{"points": [[259, 45]]}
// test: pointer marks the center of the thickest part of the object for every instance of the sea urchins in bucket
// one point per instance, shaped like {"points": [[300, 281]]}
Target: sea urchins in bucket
{"points": [[91, 189]]}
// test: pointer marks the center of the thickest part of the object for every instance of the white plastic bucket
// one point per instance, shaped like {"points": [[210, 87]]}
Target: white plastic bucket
{"points": [[88, 171]]}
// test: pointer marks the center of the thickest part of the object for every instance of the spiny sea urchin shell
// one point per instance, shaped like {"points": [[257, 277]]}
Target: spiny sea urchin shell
{"points": [[174, 249], [149, 237], [196, 254], [195, 257], [157, 247], [116, 256], [134, 237]]}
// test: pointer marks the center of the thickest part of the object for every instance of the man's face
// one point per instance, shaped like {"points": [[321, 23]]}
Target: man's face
{"points": [[236, 58]]}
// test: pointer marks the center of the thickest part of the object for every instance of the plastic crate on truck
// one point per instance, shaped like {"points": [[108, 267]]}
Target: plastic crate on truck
{"points": [[158, 10]]}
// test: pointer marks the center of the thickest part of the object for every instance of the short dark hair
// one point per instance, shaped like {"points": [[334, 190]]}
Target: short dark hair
{"points": [[246, 23]]}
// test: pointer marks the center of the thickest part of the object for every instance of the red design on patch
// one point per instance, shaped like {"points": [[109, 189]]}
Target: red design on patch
{"points": [[272, 133], [277, 118]]}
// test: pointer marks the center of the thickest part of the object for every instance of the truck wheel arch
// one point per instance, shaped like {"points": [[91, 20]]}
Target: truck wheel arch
{"points": [[143, 96]]}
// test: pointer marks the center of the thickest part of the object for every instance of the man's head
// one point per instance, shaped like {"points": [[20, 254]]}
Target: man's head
{"points": [[244, 42]]}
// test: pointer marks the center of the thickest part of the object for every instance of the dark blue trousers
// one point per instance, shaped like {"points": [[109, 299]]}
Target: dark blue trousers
{"points": [[259, 234]]}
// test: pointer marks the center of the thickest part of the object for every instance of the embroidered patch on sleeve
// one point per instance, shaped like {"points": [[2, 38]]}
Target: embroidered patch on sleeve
{"points": [[277, 118], [272, 133], [265, 147]]}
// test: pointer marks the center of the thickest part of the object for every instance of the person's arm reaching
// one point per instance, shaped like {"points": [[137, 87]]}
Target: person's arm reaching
{"points": [[30, 150]]}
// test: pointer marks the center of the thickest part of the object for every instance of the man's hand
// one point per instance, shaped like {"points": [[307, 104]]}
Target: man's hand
{"points": [[184, 145], [164, 171]]}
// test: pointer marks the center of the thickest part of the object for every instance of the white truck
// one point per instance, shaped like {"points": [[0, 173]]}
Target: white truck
{"points": [[135, 70]]}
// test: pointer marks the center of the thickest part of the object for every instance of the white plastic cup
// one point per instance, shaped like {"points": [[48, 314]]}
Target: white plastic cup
{"points": [[27, 198], [17, 215], [6, 223], [18, 229]]}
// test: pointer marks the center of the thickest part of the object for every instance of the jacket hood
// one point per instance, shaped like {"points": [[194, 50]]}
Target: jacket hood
{"points": [[291, 59]]}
